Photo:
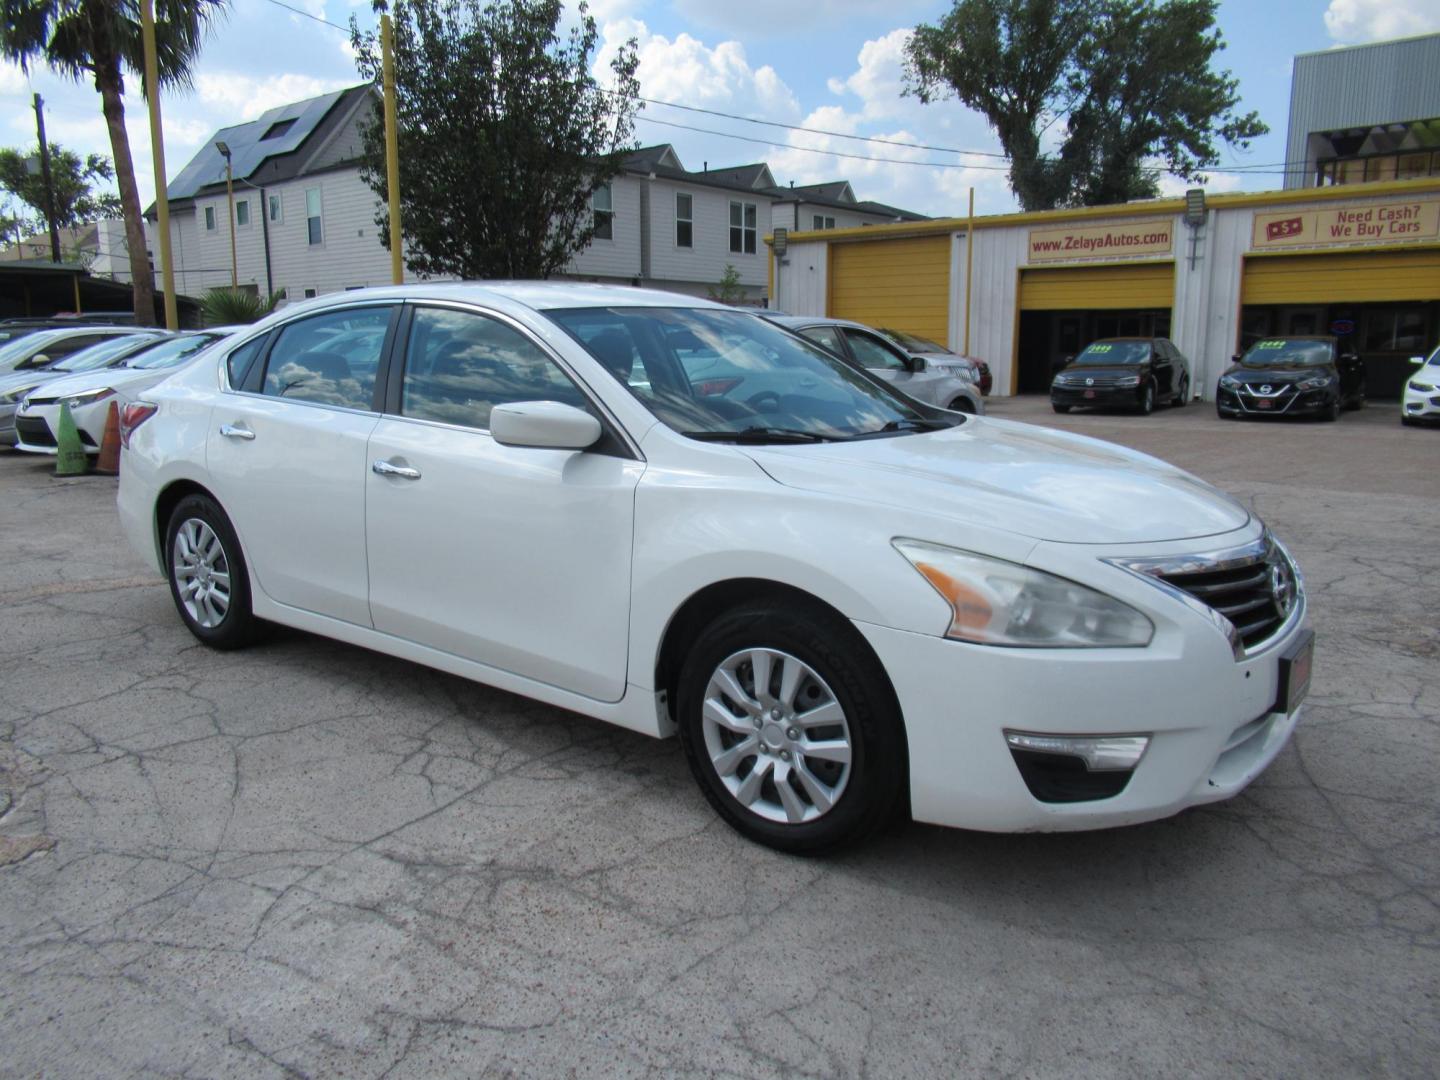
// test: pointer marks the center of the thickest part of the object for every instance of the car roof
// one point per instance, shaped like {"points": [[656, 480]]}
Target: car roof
{"points": [[538, 295]]}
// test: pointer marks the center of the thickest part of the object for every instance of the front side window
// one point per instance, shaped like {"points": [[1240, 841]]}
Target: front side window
{"points": [[242, 212], [276, 208], [602, 206], [209, 219], [874, 353], [459, 365], [684, 220], [742, 228], [312, 216], [827, 336], [731, 376], [330, 359]]}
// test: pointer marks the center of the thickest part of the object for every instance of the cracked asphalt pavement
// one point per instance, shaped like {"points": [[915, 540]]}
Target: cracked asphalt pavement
{"points": [[310, 860]]}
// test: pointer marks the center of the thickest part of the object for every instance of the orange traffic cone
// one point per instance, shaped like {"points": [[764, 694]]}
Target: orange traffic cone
{"points": [[109, 460]]}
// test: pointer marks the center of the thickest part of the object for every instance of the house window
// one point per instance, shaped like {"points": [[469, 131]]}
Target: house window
{"points": [[209, 219], [820, 221], [742, 228], [312, 215], [275, 130], [684, 220], [276, 208], [242, 213], [310, 294], [601, 205]]}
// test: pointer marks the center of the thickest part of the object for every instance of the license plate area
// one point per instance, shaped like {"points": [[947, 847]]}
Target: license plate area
{"points": [[1296, 664], [1089, 393], [1263, 404]]}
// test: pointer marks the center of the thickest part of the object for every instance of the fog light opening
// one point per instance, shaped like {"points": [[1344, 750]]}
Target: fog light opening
{"points": [[1075, 768]]}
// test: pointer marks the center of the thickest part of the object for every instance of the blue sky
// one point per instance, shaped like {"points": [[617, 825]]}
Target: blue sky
{"points": [[830, 64]]}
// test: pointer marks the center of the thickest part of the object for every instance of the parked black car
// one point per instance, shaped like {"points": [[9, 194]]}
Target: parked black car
{"points": [[1137, 373], [1292, 376]]}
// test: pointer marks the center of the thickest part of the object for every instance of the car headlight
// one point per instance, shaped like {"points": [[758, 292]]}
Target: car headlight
{"points": [[1316, 382], [15, 395], [1062, 380], [994, 602], [89, 398], [1128, 380], [1424, 388], [1229, 382]]}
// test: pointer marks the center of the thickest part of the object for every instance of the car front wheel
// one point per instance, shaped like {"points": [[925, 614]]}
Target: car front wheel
{"points": [[208, 580], [961, 404], [1147, 399], [791, 728]]}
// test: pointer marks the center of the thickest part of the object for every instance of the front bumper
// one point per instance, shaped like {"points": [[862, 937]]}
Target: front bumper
{"points": [[1302, 403], [1096, 396], [36, 429], [7, 424], [1211, 718], [1419, 405]]}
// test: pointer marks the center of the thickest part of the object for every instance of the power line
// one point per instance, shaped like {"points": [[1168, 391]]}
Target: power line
{"points": [[309, 15]]}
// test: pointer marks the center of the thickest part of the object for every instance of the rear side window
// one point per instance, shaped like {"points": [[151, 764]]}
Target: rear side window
{"points": [[459, 365], [240, 361], [330, 359]]}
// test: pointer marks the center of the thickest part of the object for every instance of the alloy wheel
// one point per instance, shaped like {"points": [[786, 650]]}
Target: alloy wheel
{"points": [[202, 573], [776, 736]]}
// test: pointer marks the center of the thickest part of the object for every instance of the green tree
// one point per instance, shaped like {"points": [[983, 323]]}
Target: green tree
{"points": [[728, 290], [100, 40], [1127, 85], [74, 179], [504, 134]]}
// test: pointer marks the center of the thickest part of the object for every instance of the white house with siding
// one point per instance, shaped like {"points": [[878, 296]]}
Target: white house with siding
{"points": [[305, 220]]}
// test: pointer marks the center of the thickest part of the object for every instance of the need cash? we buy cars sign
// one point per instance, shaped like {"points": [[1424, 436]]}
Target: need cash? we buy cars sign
{"points": [[1375, 223]]}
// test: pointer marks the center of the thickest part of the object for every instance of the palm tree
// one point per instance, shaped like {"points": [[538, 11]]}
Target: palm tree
{"points": [[101, 39]]}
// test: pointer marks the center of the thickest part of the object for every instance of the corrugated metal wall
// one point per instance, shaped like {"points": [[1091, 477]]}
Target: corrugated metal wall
{"points": [[903, 284], [1385, 83]]}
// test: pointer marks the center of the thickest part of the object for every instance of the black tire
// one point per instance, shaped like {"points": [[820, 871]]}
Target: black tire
{"points": [[1332, 411], [1182, 395], [1357, 402], [1223, 415], [1147, 399], [831, 647], [1409, 421], [238, 626], [961, 404], [1060, 408]]}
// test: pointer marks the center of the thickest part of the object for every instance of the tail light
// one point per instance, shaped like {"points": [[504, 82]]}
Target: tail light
{"points": [[132, 416]]}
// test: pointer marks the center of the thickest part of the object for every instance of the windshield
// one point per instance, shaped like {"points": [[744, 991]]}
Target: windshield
{"points": [[1289, 352], [20, 349], [913, 343], [1115, 352], [718, 374], [98, 356], [1434, 360], [170, 352]]}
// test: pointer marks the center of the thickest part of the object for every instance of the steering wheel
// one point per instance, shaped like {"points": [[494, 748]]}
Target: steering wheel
{"points": [[764, 401]]}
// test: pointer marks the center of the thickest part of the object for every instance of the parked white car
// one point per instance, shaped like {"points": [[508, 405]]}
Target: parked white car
{"points": [[1421, 399], [44, 355], [90, 393], [846, 603]]}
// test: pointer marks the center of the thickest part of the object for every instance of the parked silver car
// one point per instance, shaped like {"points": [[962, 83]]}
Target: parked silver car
{"points": [[947, 387]]}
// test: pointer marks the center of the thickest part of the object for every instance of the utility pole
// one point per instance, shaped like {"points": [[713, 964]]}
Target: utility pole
{"points": [[45, 179]]}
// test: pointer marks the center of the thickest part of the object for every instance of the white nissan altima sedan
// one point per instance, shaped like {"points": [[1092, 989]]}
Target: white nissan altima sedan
{"points": [[845, 603]]}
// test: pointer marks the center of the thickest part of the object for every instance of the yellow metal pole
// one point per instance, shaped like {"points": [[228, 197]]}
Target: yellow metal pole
{"points": [[230, 201], [157, 149], [392, 147], [969, 264], [75, 280]]}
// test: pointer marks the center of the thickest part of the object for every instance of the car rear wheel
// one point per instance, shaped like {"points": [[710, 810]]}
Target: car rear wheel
{"points": [[791, 728], [1332, 411], [961, 404], [208, 579], [1182, 395], [1060, 408]]}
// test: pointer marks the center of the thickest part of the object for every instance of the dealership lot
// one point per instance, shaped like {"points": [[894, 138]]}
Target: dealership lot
{"points": [[310, 859]]}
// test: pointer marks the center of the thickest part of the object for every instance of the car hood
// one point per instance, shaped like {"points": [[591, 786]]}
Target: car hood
{"points": [[82, 382], [30, 377], [1043, 484], [1279, 375]]}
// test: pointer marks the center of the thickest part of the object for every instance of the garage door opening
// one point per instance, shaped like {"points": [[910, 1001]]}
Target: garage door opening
{"points": [[1384, 304], [1048, 339]]}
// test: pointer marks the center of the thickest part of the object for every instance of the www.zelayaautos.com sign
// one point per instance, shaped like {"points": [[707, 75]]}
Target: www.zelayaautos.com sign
{"points": [[1391, 222], [1130, 240]]}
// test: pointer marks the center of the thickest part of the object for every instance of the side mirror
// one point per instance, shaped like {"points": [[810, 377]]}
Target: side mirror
{"points": [[1417, 359], [1236, 358], [547, 425], [917, 363], [1062, 363]]}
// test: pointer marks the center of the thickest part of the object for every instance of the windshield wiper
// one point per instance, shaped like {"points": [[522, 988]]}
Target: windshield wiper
{"points": [[891, 427], [763, 435]]}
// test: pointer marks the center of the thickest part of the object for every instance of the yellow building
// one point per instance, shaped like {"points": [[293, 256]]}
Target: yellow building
{"points": [[1213, 274]]}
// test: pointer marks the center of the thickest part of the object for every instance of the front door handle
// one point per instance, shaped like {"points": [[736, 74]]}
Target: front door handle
{"points": [[387, 468], [230, 431]]}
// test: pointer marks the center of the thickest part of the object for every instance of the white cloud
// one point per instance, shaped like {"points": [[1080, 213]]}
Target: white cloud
{"points": [[753, 18], [1354, 21], [12, 79], [244, 97]]}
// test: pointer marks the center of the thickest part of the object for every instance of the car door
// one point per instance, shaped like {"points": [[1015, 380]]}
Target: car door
{"points": [[1180, 374], [287, 456], [515, 558], [1161, 369]]}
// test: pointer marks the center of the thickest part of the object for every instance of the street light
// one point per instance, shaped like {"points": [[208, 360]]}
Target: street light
{"points": [[224, 149]]}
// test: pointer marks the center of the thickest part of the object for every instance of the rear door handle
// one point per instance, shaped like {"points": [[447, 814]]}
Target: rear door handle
{"points": [[230, 431], [387, 468]]}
